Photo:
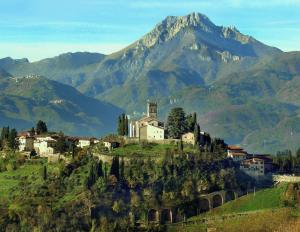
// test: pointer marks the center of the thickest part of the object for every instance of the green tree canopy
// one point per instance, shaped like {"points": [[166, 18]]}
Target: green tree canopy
{"points": [[176, 124], [41, 127]]}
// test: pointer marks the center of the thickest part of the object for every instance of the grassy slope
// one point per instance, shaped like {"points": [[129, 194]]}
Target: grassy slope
{"points": [[11, 179], [147, 150], [264, 207], [271, 198]]}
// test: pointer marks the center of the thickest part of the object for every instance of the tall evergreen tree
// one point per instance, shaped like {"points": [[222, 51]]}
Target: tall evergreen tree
{"points": [[12, 139], [122, 169], [197, 133], [115, 167], [191, 121], [4, 137], [32, 131], [61, 143], [126, 126], [176, 124], [120, 125], [41, 127], [45, 175]]}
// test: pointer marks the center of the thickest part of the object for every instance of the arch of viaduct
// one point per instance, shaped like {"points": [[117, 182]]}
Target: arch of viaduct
{"points": [[204, 203]]}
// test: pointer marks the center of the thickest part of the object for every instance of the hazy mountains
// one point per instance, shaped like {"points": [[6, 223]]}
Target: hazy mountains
{"points": [[25, 100], [243, 90]]}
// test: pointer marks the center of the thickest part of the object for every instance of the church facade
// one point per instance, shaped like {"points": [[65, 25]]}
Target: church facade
{"points": [[148, 127]]}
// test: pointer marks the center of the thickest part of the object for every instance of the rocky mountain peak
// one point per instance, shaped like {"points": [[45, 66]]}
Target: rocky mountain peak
{"points": [[172, 25]]}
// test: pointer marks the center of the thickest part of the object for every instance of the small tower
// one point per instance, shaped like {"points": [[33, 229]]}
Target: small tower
{"points": [[152, 109]]}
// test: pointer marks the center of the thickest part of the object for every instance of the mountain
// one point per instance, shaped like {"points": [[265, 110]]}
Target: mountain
{"points": [[243, 90], [69, 68], [25, 100]]}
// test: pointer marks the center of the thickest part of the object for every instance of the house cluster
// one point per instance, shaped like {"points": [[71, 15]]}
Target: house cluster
{"points": [[45, 145], [253, 165]]}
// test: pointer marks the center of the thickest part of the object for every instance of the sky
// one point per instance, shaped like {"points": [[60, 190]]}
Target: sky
{"points": [[38, 29]]}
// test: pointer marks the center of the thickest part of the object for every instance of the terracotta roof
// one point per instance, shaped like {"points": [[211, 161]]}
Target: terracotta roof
{"points": [[233, 147]]}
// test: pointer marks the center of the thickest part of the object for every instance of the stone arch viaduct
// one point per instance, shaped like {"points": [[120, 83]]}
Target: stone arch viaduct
{"points": [[204, 203]]}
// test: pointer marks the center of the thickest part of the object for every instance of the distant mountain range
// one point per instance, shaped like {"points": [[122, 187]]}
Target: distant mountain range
{"points": [[243, 90], [25, 100]]}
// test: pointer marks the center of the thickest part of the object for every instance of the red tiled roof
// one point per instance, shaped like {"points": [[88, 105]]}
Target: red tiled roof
{"points": [[233, 147]]}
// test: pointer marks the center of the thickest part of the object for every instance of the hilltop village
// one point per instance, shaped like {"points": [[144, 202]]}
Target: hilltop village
{"points": [[150, 174], [41, 143]]}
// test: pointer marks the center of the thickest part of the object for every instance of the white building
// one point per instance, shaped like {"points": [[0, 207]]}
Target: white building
{"points": [[45, 145], [151, 133], [236, 153], [86, 142], [26, 143], [254, 167], [148, 127]]}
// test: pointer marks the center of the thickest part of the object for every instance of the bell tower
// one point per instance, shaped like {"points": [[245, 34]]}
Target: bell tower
{"points": [[152, 109]]}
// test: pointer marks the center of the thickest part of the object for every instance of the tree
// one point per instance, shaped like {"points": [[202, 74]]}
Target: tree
{"points": [[99, 170], [123, 125], [61, 143], [115, 167], [120, 126], [32, 131], [32, 154], [122, 167], [45, 173], [197, 133], [176, 123], [4, 137], [191, 121], [41, 127], [12, 139], [126, 126]]}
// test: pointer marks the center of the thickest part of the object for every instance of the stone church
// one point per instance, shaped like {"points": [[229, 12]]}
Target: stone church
{"points": [[148, 127]]}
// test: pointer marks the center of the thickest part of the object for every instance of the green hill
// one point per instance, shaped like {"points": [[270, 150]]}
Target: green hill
{"points": [[23, 101]]}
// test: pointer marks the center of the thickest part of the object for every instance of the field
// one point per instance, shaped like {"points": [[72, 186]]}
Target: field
{"points": [[266, 210]]}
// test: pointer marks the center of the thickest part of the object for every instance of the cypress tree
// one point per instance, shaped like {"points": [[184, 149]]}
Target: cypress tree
{"points": [[99, 169], [122, 171], [123, 125], [177, 124], [4, 136], [197, 133], [41, 127], [12, 143], [45, 173], [114, 170], [119, 125], [126, 126]]}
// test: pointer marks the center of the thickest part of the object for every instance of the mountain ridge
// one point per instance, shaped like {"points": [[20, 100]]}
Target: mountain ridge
{"points": [[241, 88]]}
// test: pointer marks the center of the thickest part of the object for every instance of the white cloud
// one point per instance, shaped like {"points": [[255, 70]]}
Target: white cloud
{"points": [[38, 51]]}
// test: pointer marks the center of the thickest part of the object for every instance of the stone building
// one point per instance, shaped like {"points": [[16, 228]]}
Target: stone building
{"points": [[253, 167], [45, 145], [25, 143], [188, 138], [148, 127], [236, 153]]}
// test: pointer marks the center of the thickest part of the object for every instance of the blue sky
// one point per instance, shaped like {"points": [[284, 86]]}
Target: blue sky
{"points": [[38, 29]]}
